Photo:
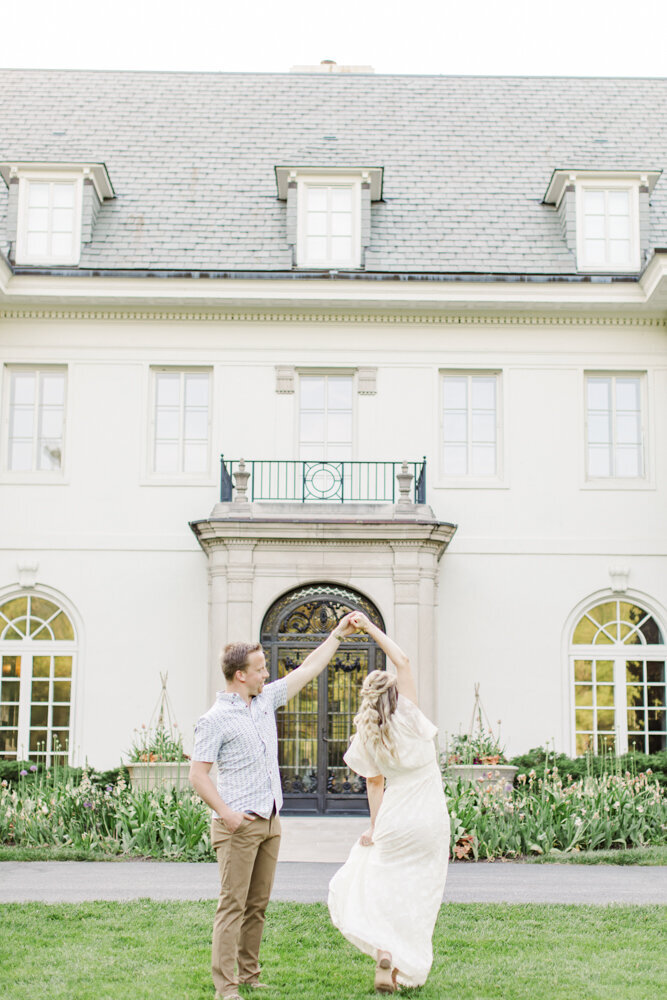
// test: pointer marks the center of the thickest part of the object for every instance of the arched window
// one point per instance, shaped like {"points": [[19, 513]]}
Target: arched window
{"points": [[38, 646], [315, 727], [618, 671]]}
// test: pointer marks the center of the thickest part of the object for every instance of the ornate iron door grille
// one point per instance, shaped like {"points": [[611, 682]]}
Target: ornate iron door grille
{"points": [[314, 729]]}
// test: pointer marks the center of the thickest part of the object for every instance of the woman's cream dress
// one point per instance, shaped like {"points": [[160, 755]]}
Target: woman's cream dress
{"points": [[386, 897]]}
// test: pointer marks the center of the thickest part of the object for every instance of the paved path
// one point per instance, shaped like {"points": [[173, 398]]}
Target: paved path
{"points": [[501, 882]]}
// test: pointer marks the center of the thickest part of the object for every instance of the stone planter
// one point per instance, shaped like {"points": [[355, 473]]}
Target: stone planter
{"points": [[160, 774], [489, 776]]}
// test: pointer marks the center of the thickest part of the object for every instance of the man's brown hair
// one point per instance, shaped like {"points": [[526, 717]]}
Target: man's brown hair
{"points": [[235, 656]]}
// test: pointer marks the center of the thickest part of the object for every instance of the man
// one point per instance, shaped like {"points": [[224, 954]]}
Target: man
{"points": [[239, 733]]}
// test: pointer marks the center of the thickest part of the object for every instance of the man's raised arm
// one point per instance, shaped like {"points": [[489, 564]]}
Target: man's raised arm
{"points": [[316, 661]]}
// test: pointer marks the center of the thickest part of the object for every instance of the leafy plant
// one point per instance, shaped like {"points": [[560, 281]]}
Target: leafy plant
{"points": [[158, 743]]}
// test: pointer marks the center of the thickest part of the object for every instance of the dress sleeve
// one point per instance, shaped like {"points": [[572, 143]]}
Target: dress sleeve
{"points": [[416, 720], [358, 759]]}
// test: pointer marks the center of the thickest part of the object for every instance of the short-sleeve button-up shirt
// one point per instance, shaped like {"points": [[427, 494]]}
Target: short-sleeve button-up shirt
{"points": [[243, 740]]}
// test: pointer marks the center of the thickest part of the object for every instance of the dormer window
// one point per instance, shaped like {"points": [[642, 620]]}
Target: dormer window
{"points": [[604, 216], [49, 229], [328, 213], [53, 208]]}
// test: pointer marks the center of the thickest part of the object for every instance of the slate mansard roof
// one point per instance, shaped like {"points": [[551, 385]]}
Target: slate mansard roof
{"points": [[466, 161]]}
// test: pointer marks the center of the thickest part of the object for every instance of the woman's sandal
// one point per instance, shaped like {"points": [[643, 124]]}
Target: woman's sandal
{"points": [[384, 980]]}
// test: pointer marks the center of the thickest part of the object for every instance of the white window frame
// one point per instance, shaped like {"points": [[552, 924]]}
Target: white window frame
{"points": [[618, 653], [468, 480], [177, 477], [632, 187], [33, 475], [350, 373], [328, 181], [642, 481], [42, 177]]}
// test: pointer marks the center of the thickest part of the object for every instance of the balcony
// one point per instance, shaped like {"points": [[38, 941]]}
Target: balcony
{"points": [[332, 482]]}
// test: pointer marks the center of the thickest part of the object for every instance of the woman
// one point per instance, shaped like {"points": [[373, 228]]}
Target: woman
{"points": [[386, 897]]}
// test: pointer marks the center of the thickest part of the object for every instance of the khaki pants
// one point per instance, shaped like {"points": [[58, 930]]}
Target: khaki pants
{"points": [[247, 864]]}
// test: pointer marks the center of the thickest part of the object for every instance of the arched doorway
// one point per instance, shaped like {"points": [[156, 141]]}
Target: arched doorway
{"points": [[314, 728], [38, 649], [619, 656]]}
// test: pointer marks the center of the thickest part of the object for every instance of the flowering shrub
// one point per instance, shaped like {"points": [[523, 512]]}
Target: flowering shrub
{"points": [[545, 814], [151, 745], [112, 819]]}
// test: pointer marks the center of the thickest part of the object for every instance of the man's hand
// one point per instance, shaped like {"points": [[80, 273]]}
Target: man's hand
{"points": [[345, 626], [366, 838], [233, 820], [359, 621]]}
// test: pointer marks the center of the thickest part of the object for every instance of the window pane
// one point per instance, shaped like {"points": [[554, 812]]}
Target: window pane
{"points": [[455, 460], [628, 462], [585, 631], [39, 715], [167, 424], [483, 392], [312, 392], [61, 244], [61, 690], [312, 427], [195, 457], [41, 666], [11, 690], [483, 427], [50, 455], [38, 739], [595, 251], [196, 390], [341, 224], [604, 671], [37, 244], [628, 428], [604, 694], [40, 690], [61, 718], [339, 392], [316, 224], [52, 424], [166, 457], [618, 202], [196, 425], [53, 388], [23, 384], [62, 629], [22, 422], [636, 721], [455, 427], [63, 196], [63, 665], [599, 461], [339, 426], [599, 428], [20, 457], [341, 199], [483, 460], [584, 719], [316, 199], [168, 389], [655, 672], [341, 248], [619, 251], [455, 393], [605, 720], [583, 695], [594, 227], [38, 194], [38, 220], [619, 228], [594, 202], [627, 394], [316, 247], [598, 393], [62, 221]]}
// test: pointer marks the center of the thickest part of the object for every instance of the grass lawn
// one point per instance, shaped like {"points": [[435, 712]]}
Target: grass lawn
{"points": [[160, 951], [656, 855]]}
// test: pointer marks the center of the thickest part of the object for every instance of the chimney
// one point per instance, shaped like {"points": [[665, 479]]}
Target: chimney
{"points": [[331, 66]]}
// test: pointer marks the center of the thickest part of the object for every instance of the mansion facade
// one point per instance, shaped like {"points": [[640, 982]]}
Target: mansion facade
{"points": [[279, 346]]}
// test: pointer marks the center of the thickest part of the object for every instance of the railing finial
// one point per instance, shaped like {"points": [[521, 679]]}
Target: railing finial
{"points": [[241, 478], [404, 478]]}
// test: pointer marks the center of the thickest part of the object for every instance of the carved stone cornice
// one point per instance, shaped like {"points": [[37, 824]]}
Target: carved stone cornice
{"points": [[352, 317]]}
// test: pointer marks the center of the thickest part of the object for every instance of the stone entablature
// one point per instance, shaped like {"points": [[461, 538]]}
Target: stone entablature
{"points": [[257, 552]]}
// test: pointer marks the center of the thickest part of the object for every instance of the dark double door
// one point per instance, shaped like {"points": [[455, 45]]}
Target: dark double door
{"points": [[315, 727]]}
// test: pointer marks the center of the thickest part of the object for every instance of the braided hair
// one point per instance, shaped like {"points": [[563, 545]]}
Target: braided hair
{"points": [[378, 703]]}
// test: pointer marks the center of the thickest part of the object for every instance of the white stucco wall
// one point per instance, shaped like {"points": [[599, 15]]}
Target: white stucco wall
{"points": [[528, 549]]}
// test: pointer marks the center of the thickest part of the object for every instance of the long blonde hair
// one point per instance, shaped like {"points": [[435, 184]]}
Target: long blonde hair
{"points": [[379, 695]]}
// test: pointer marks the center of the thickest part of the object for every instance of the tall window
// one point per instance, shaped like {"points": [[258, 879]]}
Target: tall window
{"points": [[614, 427], [36, 419], [618, 669], [325, 417], [37, 646], [49, 230], [181, 422], [608, 230], [329, 225], [470, 425]]}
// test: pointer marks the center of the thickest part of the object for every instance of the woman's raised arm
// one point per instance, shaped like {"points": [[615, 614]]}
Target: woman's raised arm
{"points": [[404, 677]]}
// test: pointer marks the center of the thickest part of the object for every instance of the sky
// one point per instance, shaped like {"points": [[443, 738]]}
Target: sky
{"points": [[469, 37]]}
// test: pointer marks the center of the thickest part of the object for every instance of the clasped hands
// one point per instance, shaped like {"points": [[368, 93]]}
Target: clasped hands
{"points": [[354, 621]]}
